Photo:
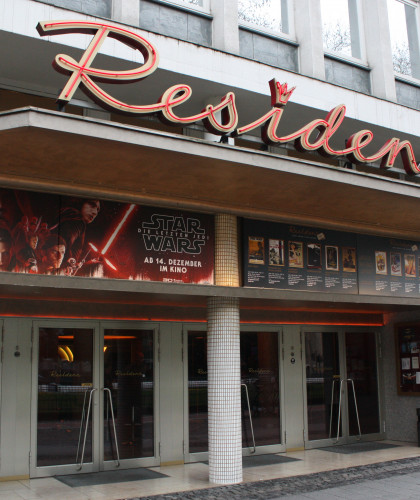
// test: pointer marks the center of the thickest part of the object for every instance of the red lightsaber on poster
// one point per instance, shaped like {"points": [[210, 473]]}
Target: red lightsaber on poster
{"points": [[111, 239]]}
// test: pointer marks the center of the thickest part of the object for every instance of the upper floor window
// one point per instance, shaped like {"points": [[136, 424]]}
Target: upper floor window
{"points": [[201, 5], [403, 27], [340, 27], [265, 15]]}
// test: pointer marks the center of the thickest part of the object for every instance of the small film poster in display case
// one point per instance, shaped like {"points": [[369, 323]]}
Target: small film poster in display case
{"points": [[407, 348]]}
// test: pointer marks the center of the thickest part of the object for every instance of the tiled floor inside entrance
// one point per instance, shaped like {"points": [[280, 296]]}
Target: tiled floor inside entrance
{"points": [[195, 476]]}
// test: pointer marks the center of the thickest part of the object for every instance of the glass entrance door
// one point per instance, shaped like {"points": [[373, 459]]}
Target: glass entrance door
{"points": [[94, 398], [128, 405], [260, 386], [342, 402]]}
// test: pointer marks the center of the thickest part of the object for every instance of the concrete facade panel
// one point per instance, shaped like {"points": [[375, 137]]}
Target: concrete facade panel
{"points": [[100, 8], [176, 23], [267, 50], [246, 45], [199, 30], [400, 411], [149, 16], [347, 76], [173, 22], [408, 95]]}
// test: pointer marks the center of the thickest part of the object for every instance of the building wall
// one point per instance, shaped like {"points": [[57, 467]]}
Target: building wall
{"points": [[400, 411], [15, 415]]}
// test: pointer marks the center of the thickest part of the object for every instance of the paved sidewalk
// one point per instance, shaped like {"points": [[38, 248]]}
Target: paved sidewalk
{"points": [[395, 479]]}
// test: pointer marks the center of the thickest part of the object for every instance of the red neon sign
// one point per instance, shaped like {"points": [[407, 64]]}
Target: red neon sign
{"points": [[221, 119]]}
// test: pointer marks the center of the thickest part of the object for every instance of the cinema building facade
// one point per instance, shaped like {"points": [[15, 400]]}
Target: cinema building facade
{"points": [[218, 258]]}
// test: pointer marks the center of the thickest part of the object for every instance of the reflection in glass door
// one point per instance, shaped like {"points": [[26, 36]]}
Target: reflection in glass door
{"points": [[65, 385], [95, 398], [260, 390], [128, 396], [260, 383], [362, 370], [322, 384], [197, 391], [341, 385]]}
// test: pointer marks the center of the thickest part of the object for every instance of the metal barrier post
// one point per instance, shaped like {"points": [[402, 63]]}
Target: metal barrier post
{"points": [[250, 416], [86, 429], [113, 424]]}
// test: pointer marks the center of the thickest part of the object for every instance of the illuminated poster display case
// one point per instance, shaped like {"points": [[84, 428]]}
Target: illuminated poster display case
{"points": [[407, 349]]}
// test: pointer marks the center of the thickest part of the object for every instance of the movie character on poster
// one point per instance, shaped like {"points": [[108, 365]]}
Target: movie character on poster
{"points": [[276, 253], [331, 258], [256, 250], [410, 265], [380, 263], [43, 233], [314, 255], [396, 269], [295, 254], [6, 250], [72, 227], [349, 259], [27, 258], [52, 255]]}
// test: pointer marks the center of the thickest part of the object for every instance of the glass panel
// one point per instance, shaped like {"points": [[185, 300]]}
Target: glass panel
{"points": [[128, 373], [322, 373], [361, 368], [65, 379], [193, 2], [397, 12], [259, 370], [197, 391], [264, 14], [201, 4], [336, 26], [260, 373]]}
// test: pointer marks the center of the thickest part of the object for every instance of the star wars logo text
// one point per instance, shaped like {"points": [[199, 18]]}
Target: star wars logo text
{"points": [[176, 234]]}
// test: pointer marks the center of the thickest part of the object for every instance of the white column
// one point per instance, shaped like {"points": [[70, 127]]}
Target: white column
{"points": [[224, 391], [378, 48], [308, 29], [225, 25], [224, 361], [226, 261]]}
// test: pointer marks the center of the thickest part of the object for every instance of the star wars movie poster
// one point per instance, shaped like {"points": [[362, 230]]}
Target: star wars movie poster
{"points": [[60, 235]]}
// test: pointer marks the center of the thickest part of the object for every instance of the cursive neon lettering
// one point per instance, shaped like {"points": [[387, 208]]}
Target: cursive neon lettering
{"points": [[222, 118]]}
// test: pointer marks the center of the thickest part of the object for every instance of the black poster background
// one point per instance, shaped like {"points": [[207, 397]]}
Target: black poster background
{"points": [[347, 263], [388, 266], [314, 259], [104, 239]]}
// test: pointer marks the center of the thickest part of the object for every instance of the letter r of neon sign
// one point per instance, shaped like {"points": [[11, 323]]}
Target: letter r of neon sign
{"points": [[82, 71]]}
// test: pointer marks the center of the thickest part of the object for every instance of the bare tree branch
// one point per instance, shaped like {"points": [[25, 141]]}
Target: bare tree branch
{"points": [[336, 38], [258, 12], [401, 59]]}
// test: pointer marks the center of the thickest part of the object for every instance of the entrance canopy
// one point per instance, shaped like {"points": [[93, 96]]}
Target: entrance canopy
{"points": [[56, 152]]}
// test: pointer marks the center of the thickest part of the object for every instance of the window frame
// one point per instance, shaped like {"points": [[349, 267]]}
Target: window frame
{"points": [[287, 5], [181, 4], [414, 32], [357, 38]]}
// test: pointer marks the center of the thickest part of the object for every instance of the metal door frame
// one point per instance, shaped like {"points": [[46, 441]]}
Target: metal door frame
{"points": [[132, 462], [98, 463], [260, 450], [345, 438]]}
